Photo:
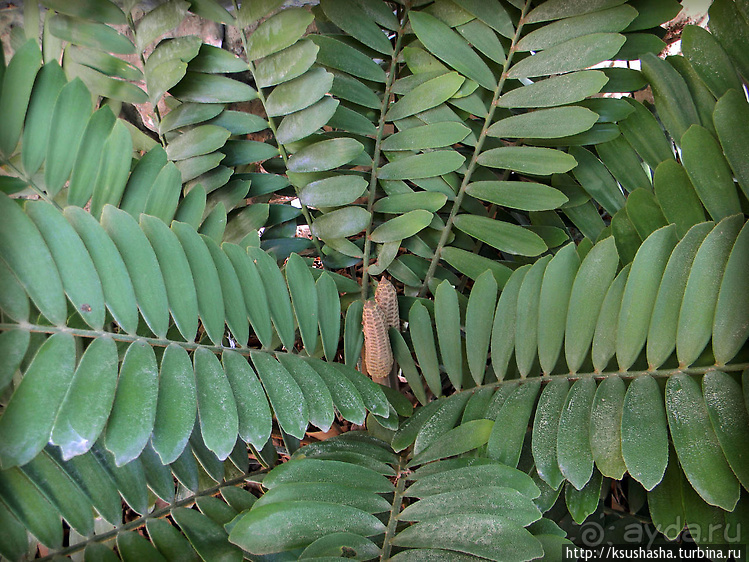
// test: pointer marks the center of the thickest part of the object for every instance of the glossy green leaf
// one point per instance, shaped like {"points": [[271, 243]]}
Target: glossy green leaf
{"points": [[446, 45], [529, 160], [158, 21], [72, 108], [16, 93], [90, 34], [573, 442], [423, 339], [426, 165], [304, 298], [645, 135], [702, 290], [505, 318], [328, 315], [255, 297], [353, 20], [278, 295], [278, 32], [403, 226], [208, 538], [673, 101], [583, 503], [316, 393], [89, 156], [28, 418], [49, 81], [527, 317], [114, 276], [446, 315], [504, 236], [444, 419], [206, 278], [464, 438], [664, 320], [574, 54], [436, 135], [134, 409], [555, 294], [79, 277], [341, 223], [216, 60], [263, 529], [511, 423], [677, 197], [699, 450], [31, 508], [101, 11], [642, 288], [284, 393], [85, 409], [301, 124], [217, 408], [644, 442], [142, 266], [729, 419], [176, 405], [709, 60], [545, 123], [325, 155], [426, 96], [588, 292], [552, 92], [286, 64], [31, 262], [197, 141], [468, 533], [732, 308], [604, 338], [545, 430], [210, 88], [342, 56], [115, 167], [730, 110], [479, 313]]}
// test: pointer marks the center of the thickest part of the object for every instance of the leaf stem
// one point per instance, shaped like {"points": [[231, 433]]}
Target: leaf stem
{"points": [[376, 153], [43, 194], [474, 157], [281, 149], [400, 489], [153, 515]]}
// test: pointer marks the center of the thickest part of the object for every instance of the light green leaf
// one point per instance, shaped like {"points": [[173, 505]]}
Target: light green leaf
{"points": [[217, 409], [732, 308], [134, 410], [284, 393], [511, 424], [49, 81], [304, 123], [529, 160], [207, 282], [403, 226], [90, 34], [644, 441], [446, 316], [731, 110], [545, 431], [479, 313], [341, 223], [316, 393], [89, 157], [342, 56], [555, 91], [702, 290], [72, 109], [102, 11], [422, 337], [210, 88], [448, 46], [546, 123], [328, 314], [437, 135], [158, 21], [286, 64], [325, 155], [464, 438], [304, 298], [79, 277], [426, 96], [504, 236], [696, 444], [28, 419], [278, 32], [333, 191], [573, 441], [575, 54], [426, 165], [174, 424], [527, 196], [558, 9], [299, 93], [356, 22]]}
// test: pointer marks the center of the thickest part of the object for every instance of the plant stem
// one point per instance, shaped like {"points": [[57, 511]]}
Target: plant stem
{"points": [[281, 149], [376, 153], [400, 488], [474, 158], [659, 373], [153, 515]]}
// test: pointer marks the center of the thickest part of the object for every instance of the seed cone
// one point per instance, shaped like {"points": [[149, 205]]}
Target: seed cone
{"points": [[378, 355], [387, 301]]}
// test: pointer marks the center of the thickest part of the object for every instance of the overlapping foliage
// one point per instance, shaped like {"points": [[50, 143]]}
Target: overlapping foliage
{"points": [[572, 268]]}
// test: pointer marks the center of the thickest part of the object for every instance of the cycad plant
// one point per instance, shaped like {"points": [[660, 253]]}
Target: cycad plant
{"points": [[188, 314]]}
